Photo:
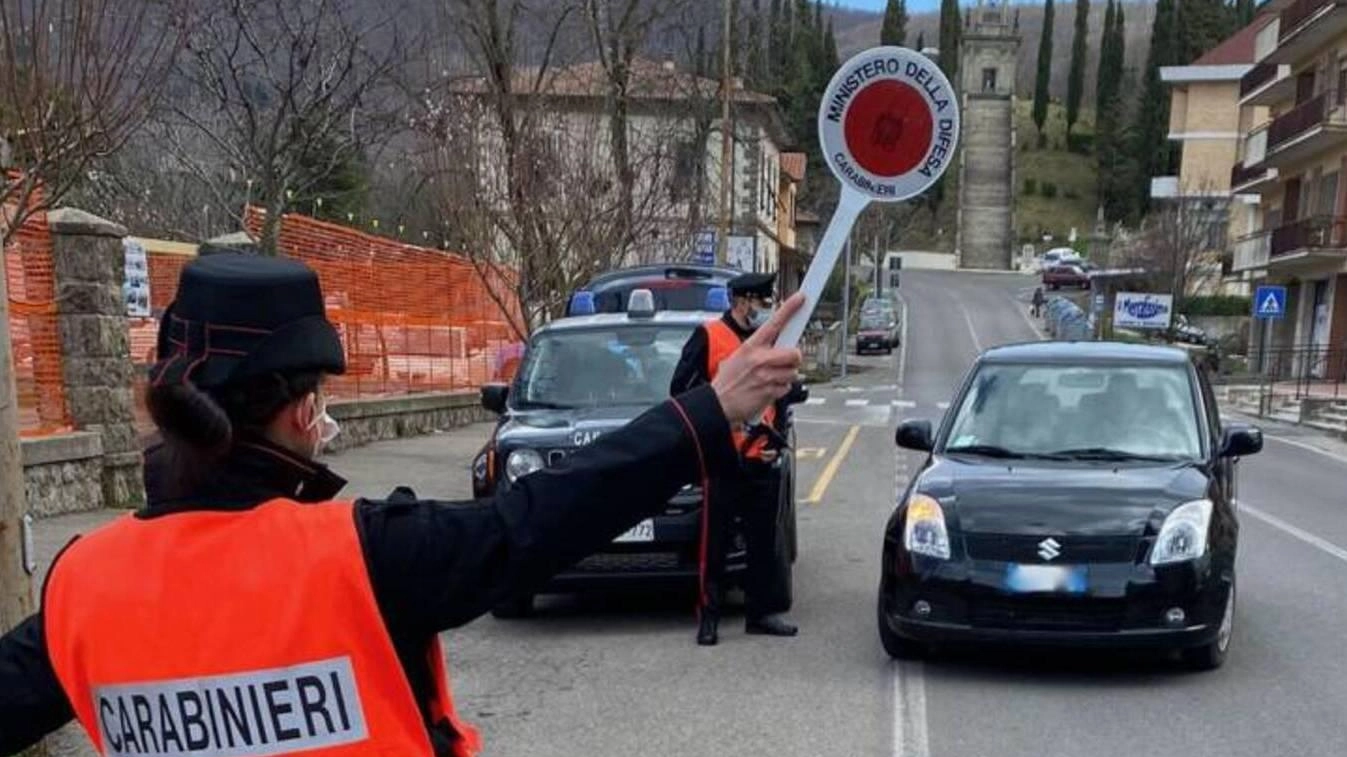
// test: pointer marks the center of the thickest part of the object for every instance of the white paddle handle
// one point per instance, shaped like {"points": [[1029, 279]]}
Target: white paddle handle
{"points": [[849, 207]]}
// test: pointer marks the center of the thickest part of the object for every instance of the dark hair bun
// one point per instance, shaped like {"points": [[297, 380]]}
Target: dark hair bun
{"points": [[189, 416]]}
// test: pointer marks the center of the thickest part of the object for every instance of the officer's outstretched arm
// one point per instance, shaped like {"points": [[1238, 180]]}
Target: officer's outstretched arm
{"points": [[32, 703]]}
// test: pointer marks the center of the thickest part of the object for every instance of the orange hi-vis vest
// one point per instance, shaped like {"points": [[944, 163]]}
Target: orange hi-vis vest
{"points": [[249, 632], [721, 343]]}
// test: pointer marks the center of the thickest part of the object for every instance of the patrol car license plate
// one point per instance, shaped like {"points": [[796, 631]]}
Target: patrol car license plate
{"points": [[644, 531]]}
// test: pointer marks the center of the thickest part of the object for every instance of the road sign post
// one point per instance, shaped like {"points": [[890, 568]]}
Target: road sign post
{"points": [[888, 126], [1269, 303]]}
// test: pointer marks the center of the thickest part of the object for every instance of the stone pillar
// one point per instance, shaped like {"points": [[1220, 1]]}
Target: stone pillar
{"points": [[90, 269]]}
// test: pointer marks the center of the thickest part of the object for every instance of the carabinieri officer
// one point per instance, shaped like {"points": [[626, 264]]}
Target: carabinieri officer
{"points": [[752, 489], [247, 610]]}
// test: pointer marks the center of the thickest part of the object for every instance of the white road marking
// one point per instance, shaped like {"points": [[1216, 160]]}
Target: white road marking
{"points": [[902, 348], [1299, 533], [910, 738], [968, 319], [1304, 446], [815, 401], [857, 403], [942, 405], [904, 404]]}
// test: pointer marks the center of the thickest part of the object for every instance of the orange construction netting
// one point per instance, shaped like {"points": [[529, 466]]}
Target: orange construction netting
{"points": [[35, 340]]}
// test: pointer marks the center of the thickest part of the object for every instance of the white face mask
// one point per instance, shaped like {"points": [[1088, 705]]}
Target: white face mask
{"points": [[327, 426], [759, 318]]}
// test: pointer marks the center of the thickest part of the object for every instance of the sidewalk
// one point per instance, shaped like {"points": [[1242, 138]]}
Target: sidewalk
{"points": [[437, 466]]}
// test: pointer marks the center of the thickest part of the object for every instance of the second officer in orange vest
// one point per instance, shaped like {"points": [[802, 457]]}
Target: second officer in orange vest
{"points": [[248, 610], [753, 490]]}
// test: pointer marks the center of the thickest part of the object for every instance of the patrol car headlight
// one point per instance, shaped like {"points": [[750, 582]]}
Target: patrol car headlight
{"points": [[522, 462], [1184, 534], [924, 533]]}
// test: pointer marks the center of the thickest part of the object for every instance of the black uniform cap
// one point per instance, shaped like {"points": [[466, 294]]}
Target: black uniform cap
{"points": [[753, 284], [241, 316]]}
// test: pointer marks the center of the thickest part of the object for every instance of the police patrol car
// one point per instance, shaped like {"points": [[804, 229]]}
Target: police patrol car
{"points": [[581, 377]]}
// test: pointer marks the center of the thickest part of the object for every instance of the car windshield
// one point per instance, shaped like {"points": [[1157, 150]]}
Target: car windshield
{"points": [[669, 295], [875, 321], [1100, 412], [619, 365]]}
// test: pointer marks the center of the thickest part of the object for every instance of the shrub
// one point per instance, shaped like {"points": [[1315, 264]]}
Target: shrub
{"points": [[1049, 190], [1216, 304], [1071, 194], [1030, 187], [1080, 143]]}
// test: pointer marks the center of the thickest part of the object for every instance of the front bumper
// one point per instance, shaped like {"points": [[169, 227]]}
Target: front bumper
{"points": [[1124, 606], [872, 342]]}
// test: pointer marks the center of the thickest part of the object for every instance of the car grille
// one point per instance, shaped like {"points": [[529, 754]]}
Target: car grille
{"points": [[1074, 550], [1048, 614], [628, 563]]}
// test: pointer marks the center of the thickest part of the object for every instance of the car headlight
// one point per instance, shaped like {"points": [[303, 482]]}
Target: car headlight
{"points": [[1184, 534], [924, 532], [522, 462]]}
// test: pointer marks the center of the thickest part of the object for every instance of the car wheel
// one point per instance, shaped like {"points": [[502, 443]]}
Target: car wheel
{"points": [[896, 646], [1212, 656], [514, 608]]}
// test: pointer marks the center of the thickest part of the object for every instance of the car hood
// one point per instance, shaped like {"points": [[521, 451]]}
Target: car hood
{"points": [[1080, 499], [563, 428]]}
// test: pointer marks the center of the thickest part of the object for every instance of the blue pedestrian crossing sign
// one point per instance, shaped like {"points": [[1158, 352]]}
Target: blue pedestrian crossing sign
{"points": [[1269, 302]]}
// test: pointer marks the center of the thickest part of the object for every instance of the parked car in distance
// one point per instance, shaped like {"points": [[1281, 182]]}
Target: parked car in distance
{"points": [[878, 332], [1066, 274]]}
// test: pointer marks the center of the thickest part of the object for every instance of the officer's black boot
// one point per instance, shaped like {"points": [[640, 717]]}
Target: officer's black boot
{"points": [[707, 635], [770, 625]]}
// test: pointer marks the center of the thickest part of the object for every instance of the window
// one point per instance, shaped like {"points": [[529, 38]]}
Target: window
{"points": [[1327, 202], [988, 80], [686, 158]]}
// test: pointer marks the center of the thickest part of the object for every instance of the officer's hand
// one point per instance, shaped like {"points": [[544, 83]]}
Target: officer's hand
{"points": [[758, 372]]}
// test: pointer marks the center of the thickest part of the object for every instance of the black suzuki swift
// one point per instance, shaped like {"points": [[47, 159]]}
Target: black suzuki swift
{"points": [[1075, 494]]}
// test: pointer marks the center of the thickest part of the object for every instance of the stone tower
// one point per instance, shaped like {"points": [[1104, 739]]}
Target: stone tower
{"points": [[986, 227]]}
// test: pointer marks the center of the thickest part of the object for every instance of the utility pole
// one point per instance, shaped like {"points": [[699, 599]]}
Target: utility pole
{"points": [[726, 142], [16, 597], [846, 305]]}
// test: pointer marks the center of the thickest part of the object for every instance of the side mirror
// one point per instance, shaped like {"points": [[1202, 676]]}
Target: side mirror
{"points": [[915, 435], [494, 396], [1240, 441]]}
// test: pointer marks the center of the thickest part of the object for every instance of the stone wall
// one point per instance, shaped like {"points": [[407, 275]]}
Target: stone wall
{"points": [[63, 474], [985, 190], [373, 420]]}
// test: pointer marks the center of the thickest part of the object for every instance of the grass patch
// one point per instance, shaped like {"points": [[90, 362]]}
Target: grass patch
{"points": [[1071, 174]]}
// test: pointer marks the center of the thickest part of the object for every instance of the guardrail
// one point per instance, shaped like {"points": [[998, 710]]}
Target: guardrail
{"points": [[822, 348], [1065, 321], [1315, 232]]}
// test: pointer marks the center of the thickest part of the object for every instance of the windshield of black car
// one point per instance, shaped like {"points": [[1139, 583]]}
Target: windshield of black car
{"points": [[616, 365], [875, 321], [1100, 411], [670, 294]]}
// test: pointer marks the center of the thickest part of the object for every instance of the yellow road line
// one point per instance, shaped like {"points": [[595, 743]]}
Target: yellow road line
{"points": [[830, 470]]}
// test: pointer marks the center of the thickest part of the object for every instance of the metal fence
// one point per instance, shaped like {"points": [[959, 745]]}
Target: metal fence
{"points": [[1301, 371]]}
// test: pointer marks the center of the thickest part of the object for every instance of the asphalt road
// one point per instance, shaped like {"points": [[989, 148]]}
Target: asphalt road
{"points": [[623, 676]]}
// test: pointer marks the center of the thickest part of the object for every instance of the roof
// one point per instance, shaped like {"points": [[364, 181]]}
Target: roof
{"points": [[793, 165], [665, 270], [1085, 353], [650, 80], [1238, 48], [663, 317]]}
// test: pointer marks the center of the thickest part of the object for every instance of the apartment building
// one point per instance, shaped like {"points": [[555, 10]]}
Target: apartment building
{"points": [[1293, 156], [1204, 120]]}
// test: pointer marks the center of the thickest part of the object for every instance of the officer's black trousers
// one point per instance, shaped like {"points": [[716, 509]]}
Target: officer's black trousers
{"points": [[753, 495]]}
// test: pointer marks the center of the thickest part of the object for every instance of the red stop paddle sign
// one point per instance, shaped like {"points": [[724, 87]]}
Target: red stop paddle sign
{"points": [[889, 123]]}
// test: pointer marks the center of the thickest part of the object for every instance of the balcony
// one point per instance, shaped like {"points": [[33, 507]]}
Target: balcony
{"points": [[1267, 84], [1313, 126], [1305, 27], [1309, 238], [1251, 180], [1252, 252]]}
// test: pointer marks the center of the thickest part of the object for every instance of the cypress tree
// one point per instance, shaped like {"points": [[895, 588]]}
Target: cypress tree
{"points": [[1044, 79], [1244, 13], [699, 59], [1151, 142], [894, 29], [830, 49], [1102, 82], [776, 48], [950, 31], [755, 67], [921, 41], [1075, 85]]}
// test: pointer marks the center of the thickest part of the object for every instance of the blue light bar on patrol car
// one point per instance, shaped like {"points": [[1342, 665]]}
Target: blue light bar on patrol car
{"points": [[718, 299], [582, 303]]}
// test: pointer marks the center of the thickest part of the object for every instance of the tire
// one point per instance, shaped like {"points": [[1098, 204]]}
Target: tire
{"points": [[514, 608], [1212, 656], [896, 646]]}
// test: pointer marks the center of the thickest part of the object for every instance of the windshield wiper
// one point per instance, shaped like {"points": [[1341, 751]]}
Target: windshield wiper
{"points": [[985, 450], [1111, 454], [536, 405]]}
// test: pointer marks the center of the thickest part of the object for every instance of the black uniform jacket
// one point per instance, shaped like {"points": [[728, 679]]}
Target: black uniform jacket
{"points": [[433, 565]]}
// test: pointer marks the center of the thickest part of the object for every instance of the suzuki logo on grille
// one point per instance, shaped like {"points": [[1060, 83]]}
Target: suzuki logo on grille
{"points": [[1049, 548]]}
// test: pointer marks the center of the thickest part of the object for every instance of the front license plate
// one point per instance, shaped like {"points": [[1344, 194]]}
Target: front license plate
{"points": [[644, 531], [1046, 578]]}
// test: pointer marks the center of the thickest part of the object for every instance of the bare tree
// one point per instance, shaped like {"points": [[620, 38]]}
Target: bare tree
{"points": [[77, 77], [1180, 247], [287, 94]]}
